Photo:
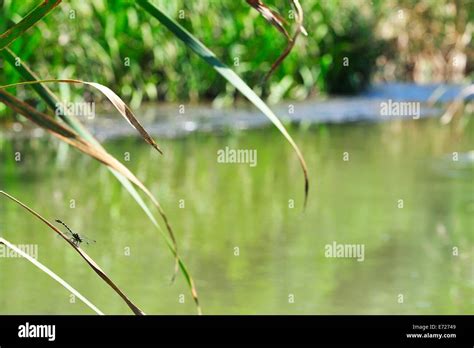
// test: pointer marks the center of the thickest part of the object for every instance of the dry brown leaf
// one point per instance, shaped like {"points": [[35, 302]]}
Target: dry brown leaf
{"points": [[116, 101], [271, 16], [278, 22]]}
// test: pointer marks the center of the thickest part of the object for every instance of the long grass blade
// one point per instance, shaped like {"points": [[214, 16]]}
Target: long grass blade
{"points": [[51, 100], [69, 136], [51, 274], [45, 93], [182, 266], [83, 254], [27, 22], [209, 57], [118, 103], [72, 138]]}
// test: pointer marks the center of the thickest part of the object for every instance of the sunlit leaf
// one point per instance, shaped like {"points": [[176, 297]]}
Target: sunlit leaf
{"points": [[28, 21], [209, 57]]}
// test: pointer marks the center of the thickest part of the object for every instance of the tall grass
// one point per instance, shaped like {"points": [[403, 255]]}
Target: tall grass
{"points": [[68, 128], [210, 58], [79, 137], [81, 252]]}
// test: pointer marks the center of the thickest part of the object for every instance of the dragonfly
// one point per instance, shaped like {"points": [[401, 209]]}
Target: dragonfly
{"points": [[74, 237]]}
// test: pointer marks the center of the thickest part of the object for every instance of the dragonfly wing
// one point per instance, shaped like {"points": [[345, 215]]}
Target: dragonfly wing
{"points": [[87, 240]]}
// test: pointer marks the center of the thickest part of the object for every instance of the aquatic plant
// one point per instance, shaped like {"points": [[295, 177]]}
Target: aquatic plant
{"points": [[70, 130]]}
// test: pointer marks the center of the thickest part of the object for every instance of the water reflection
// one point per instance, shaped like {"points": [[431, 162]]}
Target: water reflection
{"points": [[249, 252]]}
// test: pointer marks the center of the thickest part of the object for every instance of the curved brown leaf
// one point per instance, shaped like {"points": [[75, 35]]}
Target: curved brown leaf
{"points": [[277, 21], [271, 16], [116, 101]]}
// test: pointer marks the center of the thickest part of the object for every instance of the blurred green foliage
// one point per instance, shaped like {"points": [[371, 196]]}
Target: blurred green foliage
{"points": [[119, 45]]}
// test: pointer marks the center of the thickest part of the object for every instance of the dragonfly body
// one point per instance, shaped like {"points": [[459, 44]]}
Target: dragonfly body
{"points": [[75, 238]]}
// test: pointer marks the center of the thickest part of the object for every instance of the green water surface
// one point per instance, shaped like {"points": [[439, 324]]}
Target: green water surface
{"points": [[242, 231]]}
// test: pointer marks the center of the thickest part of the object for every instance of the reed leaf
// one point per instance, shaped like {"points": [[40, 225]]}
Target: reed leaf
{"points": [[272, 17], [67, 135], [51, 100], [98, 153], [291, 39], [52, 275], [117, 102], [27, 22], [209, 57], [44, 92], [83, 254]]}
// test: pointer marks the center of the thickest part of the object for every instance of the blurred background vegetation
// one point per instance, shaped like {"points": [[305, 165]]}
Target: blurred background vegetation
{"points": [[119, 45]]}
